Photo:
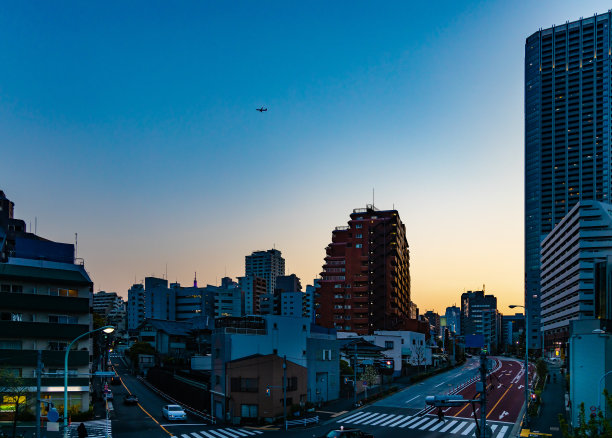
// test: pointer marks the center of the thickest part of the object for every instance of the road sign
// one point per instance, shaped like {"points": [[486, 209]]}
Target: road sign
{"points": [[104, 374], [593, 408], [365, 383], [52, 415]]}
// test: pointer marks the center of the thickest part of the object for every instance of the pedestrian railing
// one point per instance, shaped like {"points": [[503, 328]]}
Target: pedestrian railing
{"points": [[302, 422]]}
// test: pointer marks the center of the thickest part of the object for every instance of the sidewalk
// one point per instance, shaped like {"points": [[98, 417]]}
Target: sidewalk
{"points": [[553, 404]]}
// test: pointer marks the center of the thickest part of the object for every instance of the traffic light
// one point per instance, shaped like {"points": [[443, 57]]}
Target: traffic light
{"points": [[533, 397], [268, 392]]}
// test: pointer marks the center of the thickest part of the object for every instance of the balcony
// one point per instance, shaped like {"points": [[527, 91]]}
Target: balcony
{"points": [[51, 359], [42, 330], [45, 303]]}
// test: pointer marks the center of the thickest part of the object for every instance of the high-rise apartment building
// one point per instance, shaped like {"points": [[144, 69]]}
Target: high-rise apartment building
{"points": [[567, 134], [479, 317], [267, 265], [453, 319], [136, 306], [45, 302], [365, 283], [253, 288]]}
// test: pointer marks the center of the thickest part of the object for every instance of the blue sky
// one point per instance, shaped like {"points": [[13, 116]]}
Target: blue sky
{"points": [[134, 125]]}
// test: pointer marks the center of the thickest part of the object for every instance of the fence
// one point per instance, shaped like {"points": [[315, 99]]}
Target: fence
{"points": [[302, 422]]}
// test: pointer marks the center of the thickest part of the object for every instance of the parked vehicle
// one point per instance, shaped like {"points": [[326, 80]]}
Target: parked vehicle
{"points": [[130, 399], [116, 380], [174, 412], [347, 433]]}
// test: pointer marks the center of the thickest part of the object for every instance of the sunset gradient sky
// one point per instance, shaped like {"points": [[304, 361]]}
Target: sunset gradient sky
{"points": [[133, 124]]}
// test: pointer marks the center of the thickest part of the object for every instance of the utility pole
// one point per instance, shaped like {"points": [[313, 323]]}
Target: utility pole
{"points": [[355, 376], [483, 395], [38, 383], [285, 389]]}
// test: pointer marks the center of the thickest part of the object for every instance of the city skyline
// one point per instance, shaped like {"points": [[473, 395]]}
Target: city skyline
{"points": [[136, 128]]}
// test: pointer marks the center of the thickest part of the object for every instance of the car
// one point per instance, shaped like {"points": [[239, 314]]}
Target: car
{"points": [[347, 433], [115, 380], [108, 395], [130, 399], [174, 412]]}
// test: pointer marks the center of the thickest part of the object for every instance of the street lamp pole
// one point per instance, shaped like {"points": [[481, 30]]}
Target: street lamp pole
{"points": [[105, 329], [512, 306]]}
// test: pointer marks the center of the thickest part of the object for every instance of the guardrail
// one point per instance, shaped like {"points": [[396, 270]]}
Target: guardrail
{"points": [[189, 409], [302, 422]]}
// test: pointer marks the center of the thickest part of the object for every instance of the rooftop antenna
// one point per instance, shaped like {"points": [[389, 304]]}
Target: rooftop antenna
{"points": [[372, 197], [36, 225], [76, 244], [166, 278]]}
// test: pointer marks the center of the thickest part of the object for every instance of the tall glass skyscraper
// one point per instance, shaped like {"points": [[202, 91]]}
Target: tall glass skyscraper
{"points": [[567, 135]]}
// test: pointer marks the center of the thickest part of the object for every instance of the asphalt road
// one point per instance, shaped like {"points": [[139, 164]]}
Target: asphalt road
{"points": [[403, 414]]}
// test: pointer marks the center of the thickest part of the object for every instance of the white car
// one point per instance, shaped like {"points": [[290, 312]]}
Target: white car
{"points": [[174, 412]]}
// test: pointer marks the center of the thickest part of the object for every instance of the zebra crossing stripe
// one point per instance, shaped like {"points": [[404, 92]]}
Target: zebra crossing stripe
{"points": [[217, 433], [493, 427], [425, 426], [239, 432], [362, 419], [502, 431], [407, 422], [228, 432], [258, 432], [376, 419], [417, 423], [391, 419], [248, 432], [435, 426], [185, 436], [380, 420], [448, 426], [455, 430], [469, 429], [352, 417], [194, 434], [401, 420], [203, 433]]}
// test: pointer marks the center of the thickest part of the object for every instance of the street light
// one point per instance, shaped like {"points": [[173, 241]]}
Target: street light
{"points": [[105, 329], [512, 306]]}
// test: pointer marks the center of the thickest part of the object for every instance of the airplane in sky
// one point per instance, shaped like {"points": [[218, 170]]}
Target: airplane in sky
{"points": [[262, 109]]}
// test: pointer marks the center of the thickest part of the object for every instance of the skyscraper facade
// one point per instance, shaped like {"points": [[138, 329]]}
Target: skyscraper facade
{"points": [[567, 135], [365, 283], [267, 265]]}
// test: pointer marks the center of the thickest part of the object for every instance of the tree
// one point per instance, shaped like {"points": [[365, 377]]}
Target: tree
{"points": [[14, 389], [369, 375], [345, 368], [418, 357], [139, 348], [595, 426], [541, 369]]}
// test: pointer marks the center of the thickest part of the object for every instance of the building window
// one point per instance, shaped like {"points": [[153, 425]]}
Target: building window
{"points": [[359, 245], [388, 345], [5, 288], [17, 288], [359, 226], [248, 411], [63, 319], [292, 383], [359, 236], [10, 345], [11, 316], [243, 384]]}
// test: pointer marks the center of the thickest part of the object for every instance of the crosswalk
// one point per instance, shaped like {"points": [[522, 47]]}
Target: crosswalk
{"points": [[451, 425], [95, 429], [227, 432]]}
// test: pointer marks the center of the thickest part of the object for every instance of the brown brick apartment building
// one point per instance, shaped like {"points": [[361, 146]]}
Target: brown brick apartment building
{"points": [[365, 283]]}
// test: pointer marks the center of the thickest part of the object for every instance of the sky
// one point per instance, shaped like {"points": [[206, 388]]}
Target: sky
{"points": [[133, 125]]}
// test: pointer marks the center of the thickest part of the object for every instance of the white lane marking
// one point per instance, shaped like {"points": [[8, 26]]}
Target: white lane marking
{"points": [[369, 420], [351, 417], [362, 419], [401, 420], [391, 419], [425, 426], [379, 420], [502, 431], [440, 384], [435, 426], [417, 423], [469, 429], [448, 426], [455, 430], [412, 399]]}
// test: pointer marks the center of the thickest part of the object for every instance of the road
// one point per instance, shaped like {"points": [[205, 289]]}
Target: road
{"points": [[402, 414]]}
